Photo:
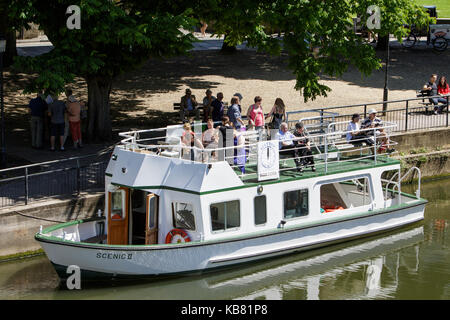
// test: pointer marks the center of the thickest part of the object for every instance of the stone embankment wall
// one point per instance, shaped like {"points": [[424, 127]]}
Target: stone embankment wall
{"points": [[19, 224]]}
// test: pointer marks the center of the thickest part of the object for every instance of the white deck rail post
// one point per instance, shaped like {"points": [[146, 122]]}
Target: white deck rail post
{"points": [[375, 146], [326, 153]]}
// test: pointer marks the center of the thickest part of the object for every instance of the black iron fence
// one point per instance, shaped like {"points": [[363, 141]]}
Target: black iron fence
{"points": [[24, 184], [408, 114]]}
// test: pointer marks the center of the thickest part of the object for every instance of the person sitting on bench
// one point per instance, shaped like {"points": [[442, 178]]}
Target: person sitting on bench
{"points": [[430, 88], [442, 89], [188, 106], [287, 146]]}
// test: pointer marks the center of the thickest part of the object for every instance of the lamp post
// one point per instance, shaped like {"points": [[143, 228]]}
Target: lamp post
{"points": [[3, 151], [386, 78]]}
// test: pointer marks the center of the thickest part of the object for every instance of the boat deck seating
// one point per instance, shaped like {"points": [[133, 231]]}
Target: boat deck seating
{"points": [[330, 150]]}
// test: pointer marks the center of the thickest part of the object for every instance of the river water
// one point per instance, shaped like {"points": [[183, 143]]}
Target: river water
{"points": [[410, 263]]}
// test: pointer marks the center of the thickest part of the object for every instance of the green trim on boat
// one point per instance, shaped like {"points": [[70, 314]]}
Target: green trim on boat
{"points": [[269, 232]]}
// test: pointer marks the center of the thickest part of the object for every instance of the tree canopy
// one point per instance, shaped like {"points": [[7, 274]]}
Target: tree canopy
{"points": [[116, 36]]}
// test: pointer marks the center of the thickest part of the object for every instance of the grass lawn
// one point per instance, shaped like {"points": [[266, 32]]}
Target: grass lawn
{"points": [[442, 6]]}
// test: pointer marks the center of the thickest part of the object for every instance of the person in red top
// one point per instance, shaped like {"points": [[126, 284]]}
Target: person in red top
{"points": [[443, 89], [443, 86], [255, 114]]}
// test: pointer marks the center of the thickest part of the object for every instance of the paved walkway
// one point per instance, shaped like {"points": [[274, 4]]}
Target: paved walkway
{"points": [[41, 45]]}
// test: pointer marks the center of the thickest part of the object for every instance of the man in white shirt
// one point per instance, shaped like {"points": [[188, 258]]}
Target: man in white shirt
{"points": [[354, 136], [287, 145]]}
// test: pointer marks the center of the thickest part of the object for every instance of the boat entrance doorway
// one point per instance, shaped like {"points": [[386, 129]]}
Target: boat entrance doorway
{"points": [[133, 217]]}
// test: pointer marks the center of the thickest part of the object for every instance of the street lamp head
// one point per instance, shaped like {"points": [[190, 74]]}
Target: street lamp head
{"points": [[2, 44]]}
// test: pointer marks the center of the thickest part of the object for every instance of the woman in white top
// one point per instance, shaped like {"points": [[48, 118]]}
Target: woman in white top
{"points": [[354, 136], [210, 139]]}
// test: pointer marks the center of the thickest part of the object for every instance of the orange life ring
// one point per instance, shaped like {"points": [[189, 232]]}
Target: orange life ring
{"points": [[177, 236]]}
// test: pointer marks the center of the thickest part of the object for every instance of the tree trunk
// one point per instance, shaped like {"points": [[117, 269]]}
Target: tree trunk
{"points": [[227, 48], [11, 49], [99, 127], [382, 43]]}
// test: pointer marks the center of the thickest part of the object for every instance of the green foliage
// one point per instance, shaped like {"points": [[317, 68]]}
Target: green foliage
{"points": [[318, 35], [112, 39]]}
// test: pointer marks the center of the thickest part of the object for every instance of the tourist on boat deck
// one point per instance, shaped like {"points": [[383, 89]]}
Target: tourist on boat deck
{"points": [[225, 140], [239, 151], [354, 135], [255, 115], [372, 121], [287, 146], [217, 108], [234, 114], [278, 114], [303, 146], [190, 140], [237, 94], [207, 100], [210, 139], [188, 106]]}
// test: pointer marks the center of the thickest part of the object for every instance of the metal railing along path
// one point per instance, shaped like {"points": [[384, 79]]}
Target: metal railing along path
{"points": [[24, 184]]}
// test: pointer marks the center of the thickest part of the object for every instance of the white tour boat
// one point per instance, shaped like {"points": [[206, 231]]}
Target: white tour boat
{"points": [[172, 208]]}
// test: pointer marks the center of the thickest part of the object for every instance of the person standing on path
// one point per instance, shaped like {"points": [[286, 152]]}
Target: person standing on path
{"points": [[203, 28], [74, 115], [57, 110], [37, 107]]}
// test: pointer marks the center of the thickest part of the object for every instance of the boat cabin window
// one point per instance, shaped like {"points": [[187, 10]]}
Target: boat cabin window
{"points": [[344, 194], [118, 205], [225, 215], [296, 204], [260, 210], [183, 216]]}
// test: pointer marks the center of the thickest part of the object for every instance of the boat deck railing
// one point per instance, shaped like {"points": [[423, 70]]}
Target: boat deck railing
{"points": [[330, 150]]}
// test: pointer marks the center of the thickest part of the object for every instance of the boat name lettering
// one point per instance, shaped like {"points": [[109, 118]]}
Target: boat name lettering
{"points": [[113, 256]]}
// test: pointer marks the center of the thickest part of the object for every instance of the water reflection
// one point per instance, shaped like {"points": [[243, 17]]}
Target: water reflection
{"points": [[410, 263]]}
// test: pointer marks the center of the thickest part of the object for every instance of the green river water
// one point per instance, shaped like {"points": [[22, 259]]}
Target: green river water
{"points": [[410, 263]]}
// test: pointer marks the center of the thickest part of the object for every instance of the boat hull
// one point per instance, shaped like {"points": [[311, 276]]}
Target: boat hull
{"points": [[96, 261]]}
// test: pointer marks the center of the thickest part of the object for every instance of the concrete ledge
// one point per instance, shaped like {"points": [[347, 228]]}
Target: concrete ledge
{"points": [[429, 138], [431, 164], [19, 224]]}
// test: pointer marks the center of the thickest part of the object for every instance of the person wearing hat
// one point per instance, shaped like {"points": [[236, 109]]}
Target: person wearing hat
{"points": [[304, 148], [372, 121], [207, 100], [188, 105]]}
